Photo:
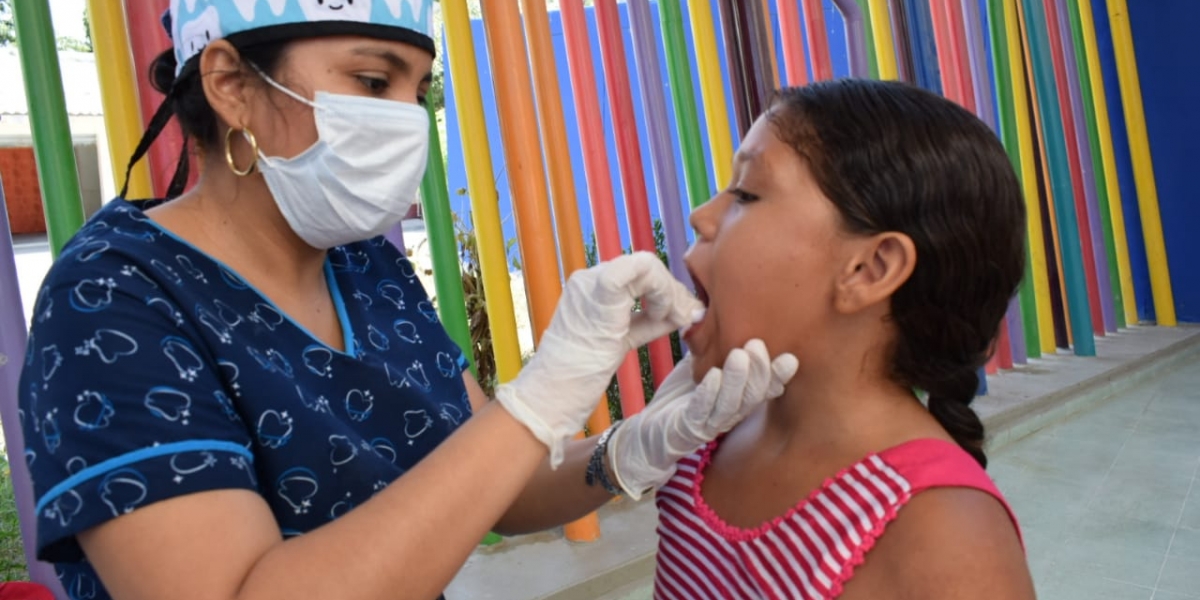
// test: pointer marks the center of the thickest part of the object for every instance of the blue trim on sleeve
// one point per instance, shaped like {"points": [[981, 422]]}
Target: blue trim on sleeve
{"points": [[463, 362], [138, 456], [339, 304]]}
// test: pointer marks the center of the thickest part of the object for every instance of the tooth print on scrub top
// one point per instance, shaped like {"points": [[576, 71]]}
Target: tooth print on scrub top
{"points": [[154, 371]]}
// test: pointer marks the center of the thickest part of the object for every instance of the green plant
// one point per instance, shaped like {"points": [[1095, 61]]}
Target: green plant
{"points": [[477, 316], [12, 552]]}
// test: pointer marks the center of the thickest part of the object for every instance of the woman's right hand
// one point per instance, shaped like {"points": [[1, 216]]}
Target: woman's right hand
{"points": [[594, 327]]}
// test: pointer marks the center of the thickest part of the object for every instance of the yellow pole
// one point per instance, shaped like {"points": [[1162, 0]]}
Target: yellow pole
{"points": [[485, 206], [716, 111], [118, 93], [1037, 246], [885, 47], [1143, 165], [1108, 159]]}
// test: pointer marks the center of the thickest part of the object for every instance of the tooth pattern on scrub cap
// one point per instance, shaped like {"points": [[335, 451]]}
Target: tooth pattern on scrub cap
{"points": [[194, 24]]}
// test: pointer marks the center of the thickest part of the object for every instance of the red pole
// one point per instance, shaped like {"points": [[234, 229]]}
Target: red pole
{"points": [[629, 155], [794, 60], [595, 164], [818, 40], [148, 39]]}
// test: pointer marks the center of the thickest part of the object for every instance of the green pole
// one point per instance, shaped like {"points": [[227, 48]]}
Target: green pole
{"points": [[57, 174], [1089, 111], [1008, 129], [868, 25], [443, 251], [684, 97], [1060, 180], [443, 248]]}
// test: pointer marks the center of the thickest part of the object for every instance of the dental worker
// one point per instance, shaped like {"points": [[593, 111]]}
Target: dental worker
{"points": [[244, 392]]}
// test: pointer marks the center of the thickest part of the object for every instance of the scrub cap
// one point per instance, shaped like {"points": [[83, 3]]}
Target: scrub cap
{"points": [[193, 24]]}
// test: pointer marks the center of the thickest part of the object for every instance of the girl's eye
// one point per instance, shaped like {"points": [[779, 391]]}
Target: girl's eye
{"points": [[375, 85], [743, 196]]}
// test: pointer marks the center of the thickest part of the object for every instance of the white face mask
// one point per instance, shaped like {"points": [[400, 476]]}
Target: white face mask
{"points": [[361, 176]]}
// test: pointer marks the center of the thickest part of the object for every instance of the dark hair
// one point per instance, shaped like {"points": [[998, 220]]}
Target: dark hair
{"points": [[893, 157], [186, 96]]}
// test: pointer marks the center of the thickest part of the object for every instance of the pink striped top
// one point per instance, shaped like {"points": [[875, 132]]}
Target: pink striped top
{"points": [[811, 551]]}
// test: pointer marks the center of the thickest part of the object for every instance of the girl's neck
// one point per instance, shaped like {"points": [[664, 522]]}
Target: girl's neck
{"points": [[846, 412]]}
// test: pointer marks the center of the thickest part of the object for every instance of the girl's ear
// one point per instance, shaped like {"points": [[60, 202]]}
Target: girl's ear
{"points": [[876, 270]]}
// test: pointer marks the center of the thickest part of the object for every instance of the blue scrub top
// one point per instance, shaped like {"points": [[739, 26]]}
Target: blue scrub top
{"points": [[154, 371]]}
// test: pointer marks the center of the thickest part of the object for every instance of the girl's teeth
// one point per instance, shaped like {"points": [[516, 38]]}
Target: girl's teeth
{"points": [[698, 315]]}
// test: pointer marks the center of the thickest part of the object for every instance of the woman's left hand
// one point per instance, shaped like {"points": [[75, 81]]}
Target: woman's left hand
{"points": [[683, 416]]}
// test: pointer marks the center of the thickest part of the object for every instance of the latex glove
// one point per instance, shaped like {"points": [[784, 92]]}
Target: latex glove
{"points": [[684, 416], [593, 328]]}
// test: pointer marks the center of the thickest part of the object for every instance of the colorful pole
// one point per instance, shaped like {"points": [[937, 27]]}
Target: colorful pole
{"points": [[1092, 268], [118, 95], [443, 247], [1073, 267], [1089, 143], [629, 157], [12, 353], [716, 112], [950, 62], [596, 166], [1108, 159], [485, 208], [864, 7], [818, 39], [562, 188], [795, 62], [662, 156], [52, 144], [147, 40], [856, 39], [684, 96], [1143, 164], [735, 49], [956, 29], [1056, 19], [1015, 132], [885, 45], [523, 157], [756, 30], [924, 35], [981, 85], [905, 48]]}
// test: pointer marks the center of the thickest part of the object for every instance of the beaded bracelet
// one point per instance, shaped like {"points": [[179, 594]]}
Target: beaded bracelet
{"points": [[595, 469]]}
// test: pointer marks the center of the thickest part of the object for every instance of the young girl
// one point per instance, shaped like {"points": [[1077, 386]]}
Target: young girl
{"points": [[876, 232]]}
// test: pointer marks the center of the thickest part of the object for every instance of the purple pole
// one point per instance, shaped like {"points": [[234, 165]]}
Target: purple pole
{"points": [[1089, 179], [977, 53], [646, 58], [985, 107], [12, 352], [395, 235], [856, 39]]}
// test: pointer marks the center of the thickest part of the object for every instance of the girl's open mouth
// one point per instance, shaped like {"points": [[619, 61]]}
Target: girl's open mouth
{"points": [[699, 315]]}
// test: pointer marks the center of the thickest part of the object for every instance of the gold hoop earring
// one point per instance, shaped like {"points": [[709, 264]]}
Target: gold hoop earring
{"points": [[249, 135]]}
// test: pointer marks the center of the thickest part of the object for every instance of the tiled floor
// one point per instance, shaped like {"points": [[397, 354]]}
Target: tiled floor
{"points": [[1109, 501]]}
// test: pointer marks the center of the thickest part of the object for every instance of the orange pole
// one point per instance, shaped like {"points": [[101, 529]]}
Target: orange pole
{"points": [[562, 188], [523, 158]]}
